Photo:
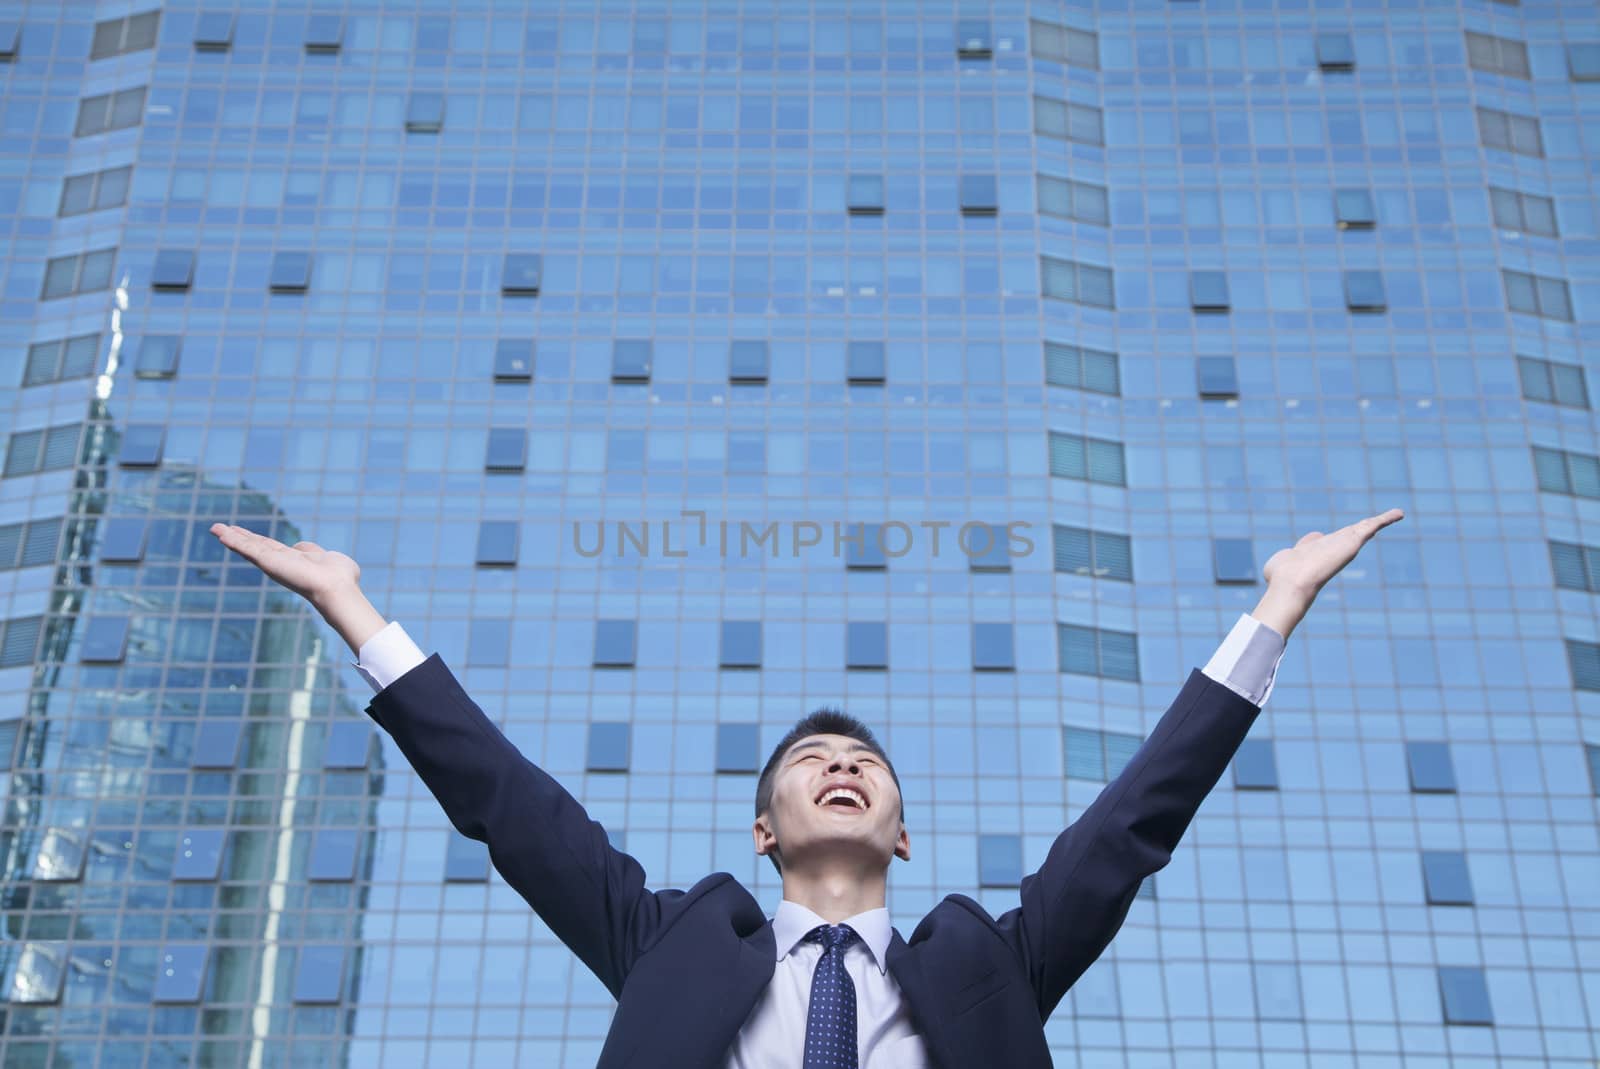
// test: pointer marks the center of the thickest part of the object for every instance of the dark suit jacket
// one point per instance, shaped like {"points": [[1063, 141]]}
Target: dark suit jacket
{"points": [[686, 966]]}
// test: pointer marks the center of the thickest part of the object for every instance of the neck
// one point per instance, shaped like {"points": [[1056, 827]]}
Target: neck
{"points": [[835, 894]]}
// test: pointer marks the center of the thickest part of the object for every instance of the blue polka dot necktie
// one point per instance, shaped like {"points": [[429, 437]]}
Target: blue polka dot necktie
{"points": [[831, 1020]]}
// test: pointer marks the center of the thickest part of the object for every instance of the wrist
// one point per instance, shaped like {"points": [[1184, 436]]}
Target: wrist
{"points": [[1282, 607], [348, 612]]}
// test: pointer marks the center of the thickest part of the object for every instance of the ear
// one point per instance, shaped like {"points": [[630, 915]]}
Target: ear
{"points": [[902, 845], [763, 834]]}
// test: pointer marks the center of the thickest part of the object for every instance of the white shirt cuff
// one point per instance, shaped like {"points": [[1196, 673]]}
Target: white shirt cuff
{"points": [[387, 656], [1247, 661]]}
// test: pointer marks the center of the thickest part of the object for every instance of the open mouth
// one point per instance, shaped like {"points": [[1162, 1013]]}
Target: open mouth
{"points": [[843, 798]]}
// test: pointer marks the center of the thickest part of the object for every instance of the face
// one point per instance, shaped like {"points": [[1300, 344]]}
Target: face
{"points": [[832, 797]]}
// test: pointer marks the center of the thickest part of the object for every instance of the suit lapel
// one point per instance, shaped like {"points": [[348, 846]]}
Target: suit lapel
{"points": [[922, 1002]]}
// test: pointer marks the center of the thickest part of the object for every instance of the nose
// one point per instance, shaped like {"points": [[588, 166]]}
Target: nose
{"points": [[840, 762]]}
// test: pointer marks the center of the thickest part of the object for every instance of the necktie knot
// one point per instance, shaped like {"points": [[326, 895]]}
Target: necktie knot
{"points": [[832, 936]]}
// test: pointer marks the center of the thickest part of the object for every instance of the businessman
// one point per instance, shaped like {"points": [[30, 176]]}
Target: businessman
{"points": [[703, 979]]}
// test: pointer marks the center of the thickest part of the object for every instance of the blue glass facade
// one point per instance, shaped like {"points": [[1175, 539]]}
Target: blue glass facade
{"points": [[675, 368]]}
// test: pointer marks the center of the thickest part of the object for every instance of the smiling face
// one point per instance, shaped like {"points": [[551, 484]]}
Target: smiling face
{"points": [[832, 797]]}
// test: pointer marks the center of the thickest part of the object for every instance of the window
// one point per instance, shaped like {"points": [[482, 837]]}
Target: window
{"points": [[630, 360], [1067, 280], [291, 272], [216, 744], [179, 973], [974, 39], [319, 974], [1444, 874], [104, 638], [1584, 660], [213, 31], [741, 644], [614, 642], [425, 112], [507, 449], [497, 542], [992, 648], [1277, 986], [489, 642], [608, 746], [1072, 456], [1583, 62], [324, 33], [1512, 133], [1567, 473], [1354, 209], [999, 860], [50, 449], [738, 748], [1466, 996], [864, 194], [28, 545], [1216, 377], [1335, 52], [1430, 768], [158, 356], [520, 274], [747, 452], [1594, 766], [866, 645], [333, 855], [1527, 212], [18, 638], [979, 194], [864, 546], [173, 269], [1082, 551], [513, 359], [199, 855], [1097, 755], [1067, 199], [1208, 291], [141, 445], [1537, 295], [989, 548], [625, 450], [61, 359], [40, 972], [117, 37], [1063, 44], [1254, 766], [1576, 567], [1497, 55], [109, 111], [1559, 384], [84, 272], [10, 35], [1093, 651], [61, 854], [465, 860], [1363, 291], [93, 191], [865, 361], [1094, 370], [349, 744], [747, 360], [1233, 560], [1074, 122]]}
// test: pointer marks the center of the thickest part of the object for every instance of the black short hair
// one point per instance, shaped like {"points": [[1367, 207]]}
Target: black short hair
{"points": [[824, 721]]}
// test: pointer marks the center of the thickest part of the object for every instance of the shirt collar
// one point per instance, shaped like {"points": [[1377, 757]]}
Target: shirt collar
{"points": [[793, 921]]}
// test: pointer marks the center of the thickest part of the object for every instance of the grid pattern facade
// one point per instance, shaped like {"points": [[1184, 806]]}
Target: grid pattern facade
{"points": [[602, 335]]}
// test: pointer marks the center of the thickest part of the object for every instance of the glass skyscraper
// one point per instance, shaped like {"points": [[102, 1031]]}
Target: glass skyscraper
{"points": [[674, 368]]}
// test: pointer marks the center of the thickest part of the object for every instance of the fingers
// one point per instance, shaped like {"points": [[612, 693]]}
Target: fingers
{"points": [[247, 544]]}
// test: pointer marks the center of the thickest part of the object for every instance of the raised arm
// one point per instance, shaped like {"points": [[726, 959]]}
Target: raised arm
{"points": [[540, 838], [1077, 900]]}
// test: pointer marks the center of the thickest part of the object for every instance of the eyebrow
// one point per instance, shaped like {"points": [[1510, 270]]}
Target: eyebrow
{"points": [[857, 748]]}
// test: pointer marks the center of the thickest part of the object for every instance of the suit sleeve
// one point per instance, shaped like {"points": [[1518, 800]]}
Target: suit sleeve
{"points": [[1077, 900], [540, 838]]}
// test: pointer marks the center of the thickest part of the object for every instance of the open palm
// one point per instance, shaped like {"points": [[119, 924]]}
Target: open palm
{"points": [[1318, 557], [305, 567]]}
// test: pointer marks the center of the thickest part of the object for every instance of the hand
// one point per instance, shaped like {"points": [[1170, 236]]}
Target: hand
{"points": [[1296, 575], [314, 573]]}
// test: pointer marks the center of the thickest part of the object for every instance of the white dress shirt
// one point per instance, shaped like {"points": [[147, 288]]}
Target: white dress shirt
{"points": [[774, 1035]]}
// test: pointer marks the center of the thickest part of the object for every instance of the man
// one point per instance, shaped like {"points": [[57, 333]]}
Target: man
{"points": [[702, 977]]}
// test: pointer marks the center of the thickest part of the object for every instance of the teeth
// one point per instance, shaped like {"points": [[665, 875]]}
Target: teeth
{"points": [[845, 792]]}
